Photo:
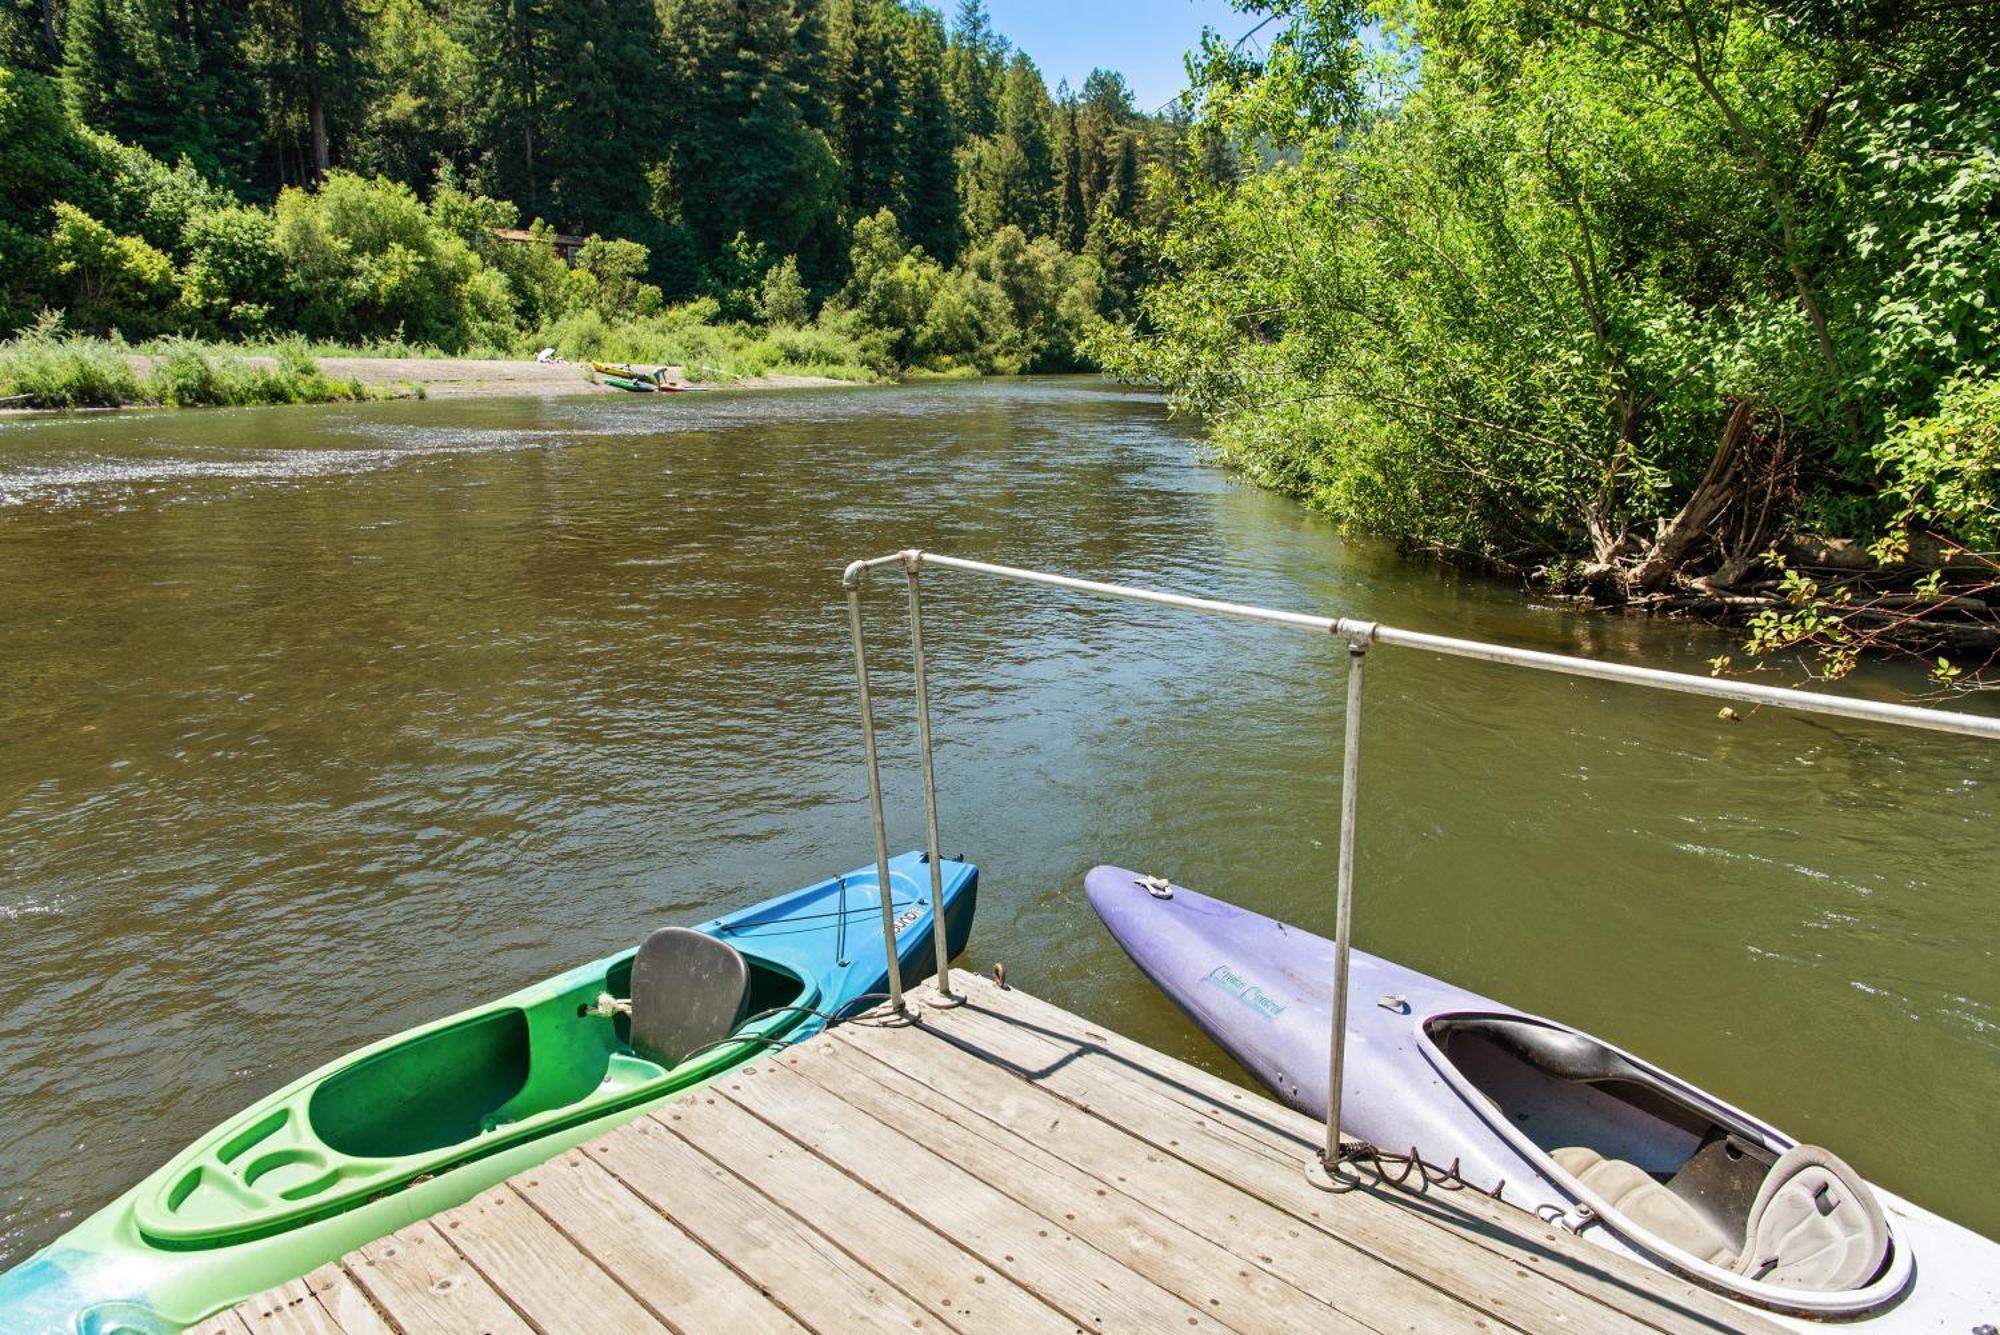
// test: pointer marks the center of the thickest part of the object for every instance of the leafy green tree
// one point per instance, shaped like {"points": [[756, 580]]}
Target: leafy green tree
{"points": [[114, 282], [234, 280], [783, 300]]}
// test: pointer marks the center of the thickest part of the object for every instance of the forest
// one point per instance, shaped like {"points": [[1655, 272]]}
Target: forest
{"points": [[1691, 305], [852, 184], [1684, 305]]}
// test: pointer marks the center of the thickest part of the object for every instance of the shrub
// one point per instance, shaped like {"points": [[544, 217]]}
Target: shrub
{"points": [[115, 282], [783, 300], [235, 272], [47, 367], [1945, 469]]}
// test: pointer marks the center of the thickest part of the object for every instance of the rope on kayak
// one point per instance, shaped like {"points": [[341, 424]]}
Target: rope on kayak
{"points": [[1391, 1169]]}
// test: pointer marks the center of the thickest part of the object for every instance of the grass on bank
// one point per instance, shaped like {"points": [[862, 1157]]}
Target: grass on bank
{"points": [[691, 338], [44, 367]]}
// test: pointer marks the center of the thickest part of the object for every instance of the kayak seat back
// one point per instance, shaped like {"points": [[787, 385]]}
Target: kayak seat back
{"points": [[1815, 1225], [689, 991]]}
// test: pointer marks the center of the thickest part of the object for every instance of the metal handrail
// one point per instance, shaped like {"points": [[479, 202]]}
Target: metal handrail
{"points": [[1360, 636]]}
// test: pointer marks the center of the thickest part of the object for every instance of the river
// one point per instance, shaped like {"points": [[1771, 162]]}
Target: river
{"points": [[317, 723]]}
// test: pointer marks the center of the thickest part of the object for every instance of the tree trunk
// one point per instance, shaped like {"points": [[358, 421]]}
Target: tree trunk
{"points": [[317, 117], [1736, 476]]}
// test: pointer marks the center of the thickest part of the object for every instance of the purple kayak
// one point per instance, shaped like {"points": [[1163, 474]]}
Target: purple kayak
{"points": [[1553, 1120]]}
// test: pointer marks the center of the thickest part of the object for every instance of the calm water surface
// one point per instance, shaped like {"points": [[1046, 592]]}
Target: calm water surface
{"points": [[319, 723]]}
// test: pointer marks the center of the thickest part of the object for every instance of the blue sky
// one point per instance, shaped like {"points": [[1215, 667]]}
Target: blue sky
{"points": [[1142, 39]]}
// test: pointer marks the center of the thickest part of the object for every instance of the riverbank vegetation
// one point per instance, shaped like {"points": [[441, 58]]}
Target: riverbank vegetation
{"points": [[1690, 306], [845, 187], [45, 367]]}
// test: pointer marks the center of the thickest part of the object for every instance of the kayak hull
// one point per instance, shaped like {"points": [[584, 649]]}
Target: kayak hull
{"points": [[162, 1256], [1262, 989]]}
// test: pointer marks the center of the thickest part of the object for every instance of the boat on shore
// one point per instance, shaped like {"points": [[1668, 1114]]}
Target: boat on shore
{"points": [[428, 1118], [1553, 1120], [639, 379]]}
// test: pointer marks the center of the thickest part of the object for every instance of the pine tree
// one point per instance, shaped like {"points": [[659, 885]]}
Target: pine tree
{"points": [[975, 63], [864, 37], [31, 34], [739, 154], [314, 66], [166, 77], [1104, 109], [601, 76], [1071, 218], [927, 174]]}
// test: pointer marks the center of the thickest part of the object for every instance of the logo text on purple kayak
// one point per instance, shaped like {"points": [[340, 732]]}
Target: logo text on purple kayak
{"points": [[1245, 991]]}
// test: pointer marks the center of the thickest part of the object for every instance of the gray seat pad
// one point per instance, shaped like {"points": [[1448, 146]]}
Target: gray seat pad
{"points": [[1815, 1225], [1641, 1198], [689, 990]]}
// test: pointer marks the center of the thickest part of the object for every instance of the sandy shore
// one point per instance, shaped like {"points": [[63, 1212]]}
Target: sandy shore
{"points": [[463, 378], [456, 378]]}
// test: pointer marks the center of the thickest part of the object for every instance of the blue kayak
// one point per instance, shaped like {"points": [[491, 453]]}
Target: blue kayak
{"points": [[427, 1119]]}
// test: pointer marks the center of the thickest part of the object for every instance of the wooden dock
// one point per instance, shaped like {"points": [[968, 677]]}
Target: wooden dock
{"points": [[1002, 1165]]}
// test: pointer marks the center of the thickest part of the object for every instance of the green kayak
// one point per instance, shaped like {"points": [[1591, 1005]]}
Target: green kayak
{"points": [[632, 386], [429, 1118]]}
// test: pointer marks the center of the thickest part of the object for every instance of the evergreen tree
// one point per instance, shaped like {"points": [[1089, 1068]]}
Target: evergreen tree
{"points": [[927, 175], [314, 66], [1071, 218], [740, 156], [864, 37], [166, 76], [31, 34], [1105, 109], [600, 94], [975, 63]]}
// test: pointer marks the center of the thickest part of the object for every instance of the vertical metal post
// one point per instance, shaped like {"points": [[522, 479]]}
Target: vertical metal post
{"points": [[1350, 791], [912, 561], [853, 582]]}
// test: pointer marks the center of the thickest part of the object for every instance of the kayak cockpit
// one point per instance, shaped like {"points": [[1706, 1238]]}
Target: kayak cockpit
{"points": [[1679, 1174], [425, 1101]]}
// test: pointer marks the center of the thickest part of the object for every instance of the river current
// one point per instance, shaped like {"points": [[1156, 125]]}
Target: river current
{"points": [[318, 723]]}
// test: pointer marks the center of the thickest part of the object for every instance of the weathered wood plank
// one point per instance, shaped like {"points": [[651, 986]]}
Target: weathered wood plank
{"points": [[421, 1284], [1177, 1107], [345, 1302], [672, 1274], [223, 1323], [953, 1283], [934, 1080], [542, 1273], [813, 1280], [1088, 1286], [1125, 1228], [326, 1302]]}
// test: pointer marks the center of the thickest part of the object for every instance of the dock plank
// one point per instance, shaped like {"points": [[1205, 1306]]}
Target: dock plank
{"points": [[420, 1283], [956, 1086], [326, 1302], [1090, 1287], [543, 1275], [792, 1264], [999, 1164], [933, 1269], [674, 1276], [1134, 1233], [1442, 1236]]}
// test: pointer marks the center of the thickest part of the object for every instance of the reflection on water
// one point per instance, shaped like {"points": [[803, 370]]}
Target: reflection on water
{"points": [[319, 723]]}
